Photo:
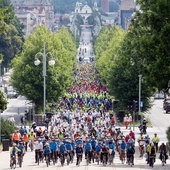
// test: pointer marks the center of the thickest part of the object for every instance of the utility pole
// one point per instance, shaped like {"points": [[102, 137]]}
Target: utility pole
{"points": [[139, 109]]}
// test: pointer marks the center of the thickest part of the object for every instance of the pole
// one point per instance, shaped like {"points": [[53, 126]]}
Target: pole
{"points": [[44, 75], [140, 76], [133, 120]]}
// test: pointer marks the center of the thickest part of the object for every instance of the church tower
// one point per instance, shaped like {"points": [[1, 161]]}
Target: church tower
{"points": [[77, 8]]}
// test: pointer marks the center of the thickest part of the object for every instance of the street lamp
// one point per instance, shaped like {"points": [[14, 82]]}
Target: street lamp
{"points": [[140, 77], [51, 62]]}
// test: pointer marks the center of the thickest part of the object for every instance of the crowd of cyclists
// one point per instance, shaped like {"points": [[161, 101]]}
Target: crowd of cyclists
{"points": [[84, 127]]}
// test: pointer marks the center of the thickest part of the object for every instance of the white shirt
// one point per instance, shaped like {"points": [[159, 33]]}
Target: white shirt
{"points": [[38, 145]]}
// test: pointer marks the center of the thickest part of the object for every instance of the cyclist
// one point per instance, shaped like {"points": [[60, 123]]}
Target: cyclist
{"points": [[88, 150], [38, 147], [130, 151], [13, 151], [47, 152], [98, 149], [22, 150], [31, 137], [79, 153], [16, 137], [53, 148], [111, 146], [141, 142], [122, 149], [155, 140], [25, 139], [163, 150], [62, 150], [105, 151], [152, 153], [69, 148]]}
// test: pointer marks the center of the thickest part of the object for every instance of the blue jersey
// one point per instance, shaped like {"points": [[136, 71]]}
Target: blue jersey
{"points": [[21, 148], [53, 146], [87, 147], [79, 150], [69, 147], [62, 148], [47, 150], [93, 144], [98, 148], [73, 144], [123, 146], [111, 145]]}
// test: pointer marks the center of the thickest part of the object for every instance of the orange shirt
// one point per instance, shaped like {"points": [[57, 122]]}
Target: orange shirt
{"points": [[15, 136], [25, 138]]}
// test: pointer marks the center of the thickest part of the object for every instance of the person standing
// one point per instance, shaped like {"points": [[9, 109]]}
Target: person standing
{"points": [[125, 119], [130, 121]]}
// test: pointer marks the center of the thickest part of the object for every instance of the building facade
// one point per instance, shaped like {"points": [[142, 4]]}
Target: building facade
{"points": [[33, 13], [125, 12], [105, 5]]}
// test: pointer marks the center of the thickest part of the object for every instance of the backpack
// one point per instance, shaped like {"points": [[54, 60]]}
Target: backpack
{"points": [[152, 150]]}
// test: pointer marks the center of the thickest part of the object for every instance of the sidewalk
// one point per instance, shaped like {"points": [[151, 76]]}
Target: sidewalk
{"points": [[29, 164]]}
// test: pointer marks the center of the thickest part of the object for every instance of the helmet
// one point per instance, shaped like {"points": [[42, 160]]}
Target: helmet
{"points": [[47, 144], [14, 144], [152, 144]]}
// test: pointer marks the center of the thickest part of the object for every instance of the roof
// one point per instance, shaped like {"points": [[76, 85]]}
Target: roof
{"points": [[127, 4]]}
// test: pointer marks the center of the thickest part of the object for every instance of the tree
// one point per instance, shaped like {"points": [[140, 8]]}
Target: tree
{"points": [[27, 78], [11, 38], [8, 128], [3, 102], [150, 28]]}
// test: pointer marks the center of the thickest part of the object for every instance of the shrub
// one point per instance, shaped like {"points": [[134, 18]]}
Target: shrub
{"points": [[7, 128]]}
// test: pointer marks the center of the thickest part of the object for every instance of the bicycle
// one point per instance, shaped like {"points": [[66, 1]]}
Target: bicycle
{"points": [[151, 160], [97, 157], [87, 159], [111, 157], [20, 158], [47, 160], [54, 157], [79, 157], [13, 162], [122, 156], [31, 145], [130, 160], [163, 159], [104, 159], [62, 159], [68, 158]]}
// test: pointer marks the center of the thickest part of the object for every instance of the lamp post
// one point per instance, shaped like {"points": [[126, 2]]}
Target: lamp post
{"points": [[51, 63]]}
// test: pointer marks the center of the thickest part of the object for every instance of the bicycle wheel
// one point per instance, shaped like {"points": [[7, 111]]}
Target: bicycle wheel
{"points": [[104, 160], [47, 160], [38, 159], [87, 160], [163, 159], [20, 162]]}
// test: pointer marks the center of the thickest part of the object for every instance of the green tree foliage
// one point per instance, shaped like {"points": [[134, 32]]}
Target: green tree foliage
{"points": [[105, 47], [145, 50], [150, 28], [11, 38], [68, 6], [27, 78], [3, 101], [168, 135], [8, 128], [64, 6]]}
